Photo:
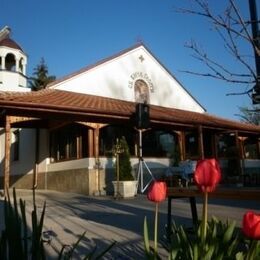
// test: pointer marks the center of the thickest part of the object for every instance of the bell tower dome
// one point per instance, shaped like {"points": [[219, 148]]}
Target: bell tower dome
{"points": [[13, 63]]}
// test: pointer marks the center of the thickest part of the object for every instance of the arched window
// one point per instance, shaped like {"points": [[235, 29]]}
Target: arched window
{"points": [[141, 91], [69, 142], [109, 134], [10, 62]]}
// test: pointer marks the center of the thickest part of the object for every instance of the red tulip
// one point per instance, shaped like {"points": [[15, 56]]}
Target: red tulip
{"points": [[207, 174], [157, 191], [251, 225]]}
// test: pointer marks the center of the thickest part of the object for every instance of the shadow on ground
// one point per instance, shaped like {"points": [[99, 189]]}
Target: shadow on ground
{"points": [[104, 219]]}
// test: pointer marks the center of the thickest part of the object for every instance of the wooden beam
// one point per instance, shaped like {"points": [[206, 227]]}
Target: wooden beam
{"points": [[92, 125], [7, 154], [56, 124], [19, 119]]}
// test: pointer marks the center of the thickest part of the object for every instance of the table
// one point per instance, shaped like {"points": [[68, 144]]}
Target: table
{"points": [[232, 193]]}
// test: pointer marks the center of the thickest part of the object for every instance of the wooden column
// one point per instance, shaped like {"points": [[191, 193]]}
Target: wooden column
{"points": [[96, 142], [200, 141], [239, 155], [36, 162], [7, 154], [90, 143], [182, 146]]}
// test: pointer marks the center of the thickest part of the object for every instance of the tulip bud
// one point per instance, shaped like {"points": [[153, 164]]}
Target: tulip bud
{"points": [[251, 225], [207, 174], [157, 191]]}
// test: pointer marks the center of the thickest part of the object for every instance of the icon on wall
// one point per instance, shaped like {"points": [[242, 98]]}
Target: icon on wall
{"points": [[141, 91]]}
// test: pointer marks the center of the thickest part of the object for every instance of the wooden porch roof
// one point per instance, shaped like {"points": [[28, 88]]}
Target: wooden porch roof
{"points": [[51, 104]]}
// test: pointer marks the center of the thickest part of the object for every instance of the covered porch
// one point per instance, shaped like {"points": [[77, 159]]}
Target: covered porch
{"points": [[83, 163]]}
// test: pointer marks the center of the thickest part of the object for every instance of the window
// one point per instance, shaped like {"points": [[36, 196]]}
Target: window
{"points": [[191, 145], [69, 142], [208, 144], [250, 148], [226, 146], [158, 143], [108, 136], [16, 145]]}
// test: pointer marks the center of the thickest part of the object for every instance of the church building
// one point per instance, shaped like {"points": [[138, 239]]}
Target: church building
{"points": [[62, 137]]}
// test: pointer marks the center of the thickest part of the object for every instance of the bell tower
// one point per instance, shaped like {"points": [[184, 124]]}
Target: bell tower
{"points": [[13, 63]]}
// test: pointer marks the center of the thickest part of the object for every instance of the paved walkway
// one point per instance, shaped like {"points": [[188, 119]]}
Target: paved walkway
{"points": [[105, 220]]}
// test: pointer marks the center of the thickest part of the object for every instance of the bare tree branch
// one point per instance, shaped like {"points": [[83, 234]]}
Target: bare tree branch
{"points": [[219, 71], [232, 29]]}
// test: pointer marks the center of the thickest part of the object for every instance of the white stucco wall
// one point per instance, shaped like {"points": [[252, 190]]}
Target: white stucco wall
{"points": [[116, 77], [13, 81], [26, 160]]}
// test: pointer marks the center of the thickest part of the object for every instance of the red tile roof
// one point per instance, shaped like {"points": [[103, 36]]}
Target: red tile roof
{"points": [[10, 43], [48, 102]]}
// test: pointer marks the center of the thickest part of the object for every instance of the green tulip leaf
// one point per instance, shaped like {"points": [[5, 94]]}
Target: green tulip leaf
{"points": [[240, 256], [229, 232], [146, 237]]}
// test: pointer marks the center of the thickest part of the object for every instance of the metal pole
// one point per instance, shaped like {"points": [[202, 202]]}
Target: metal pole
{"points": [[117, 175], [140, 144], [141, 157]]}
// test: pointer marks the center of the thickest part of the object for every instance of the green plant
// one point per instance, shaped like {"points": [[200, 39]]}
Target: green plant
{"points": [[221, 241], [125, 168], [211, 239], [156, 193], [17, 241]]}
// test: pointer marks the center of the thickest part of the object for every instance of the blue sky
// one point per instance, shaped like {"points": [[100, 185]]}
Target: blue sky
{"points": [[71, 34]]}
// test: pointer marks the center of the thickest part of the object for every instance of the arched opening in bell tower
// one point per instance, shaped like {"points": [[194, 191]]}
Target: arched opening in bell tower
{"points": [[10, 62]]}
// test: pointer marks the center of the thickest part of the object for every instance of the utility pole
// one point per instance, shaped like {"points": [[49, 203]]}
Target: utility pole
{"points": [[256, 40]]}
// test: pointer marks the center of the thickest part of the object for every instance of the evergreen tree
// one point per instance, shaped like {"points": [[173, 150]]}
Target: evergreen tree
{"points": [[250, 115], [125, 168], [40, 77]]}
